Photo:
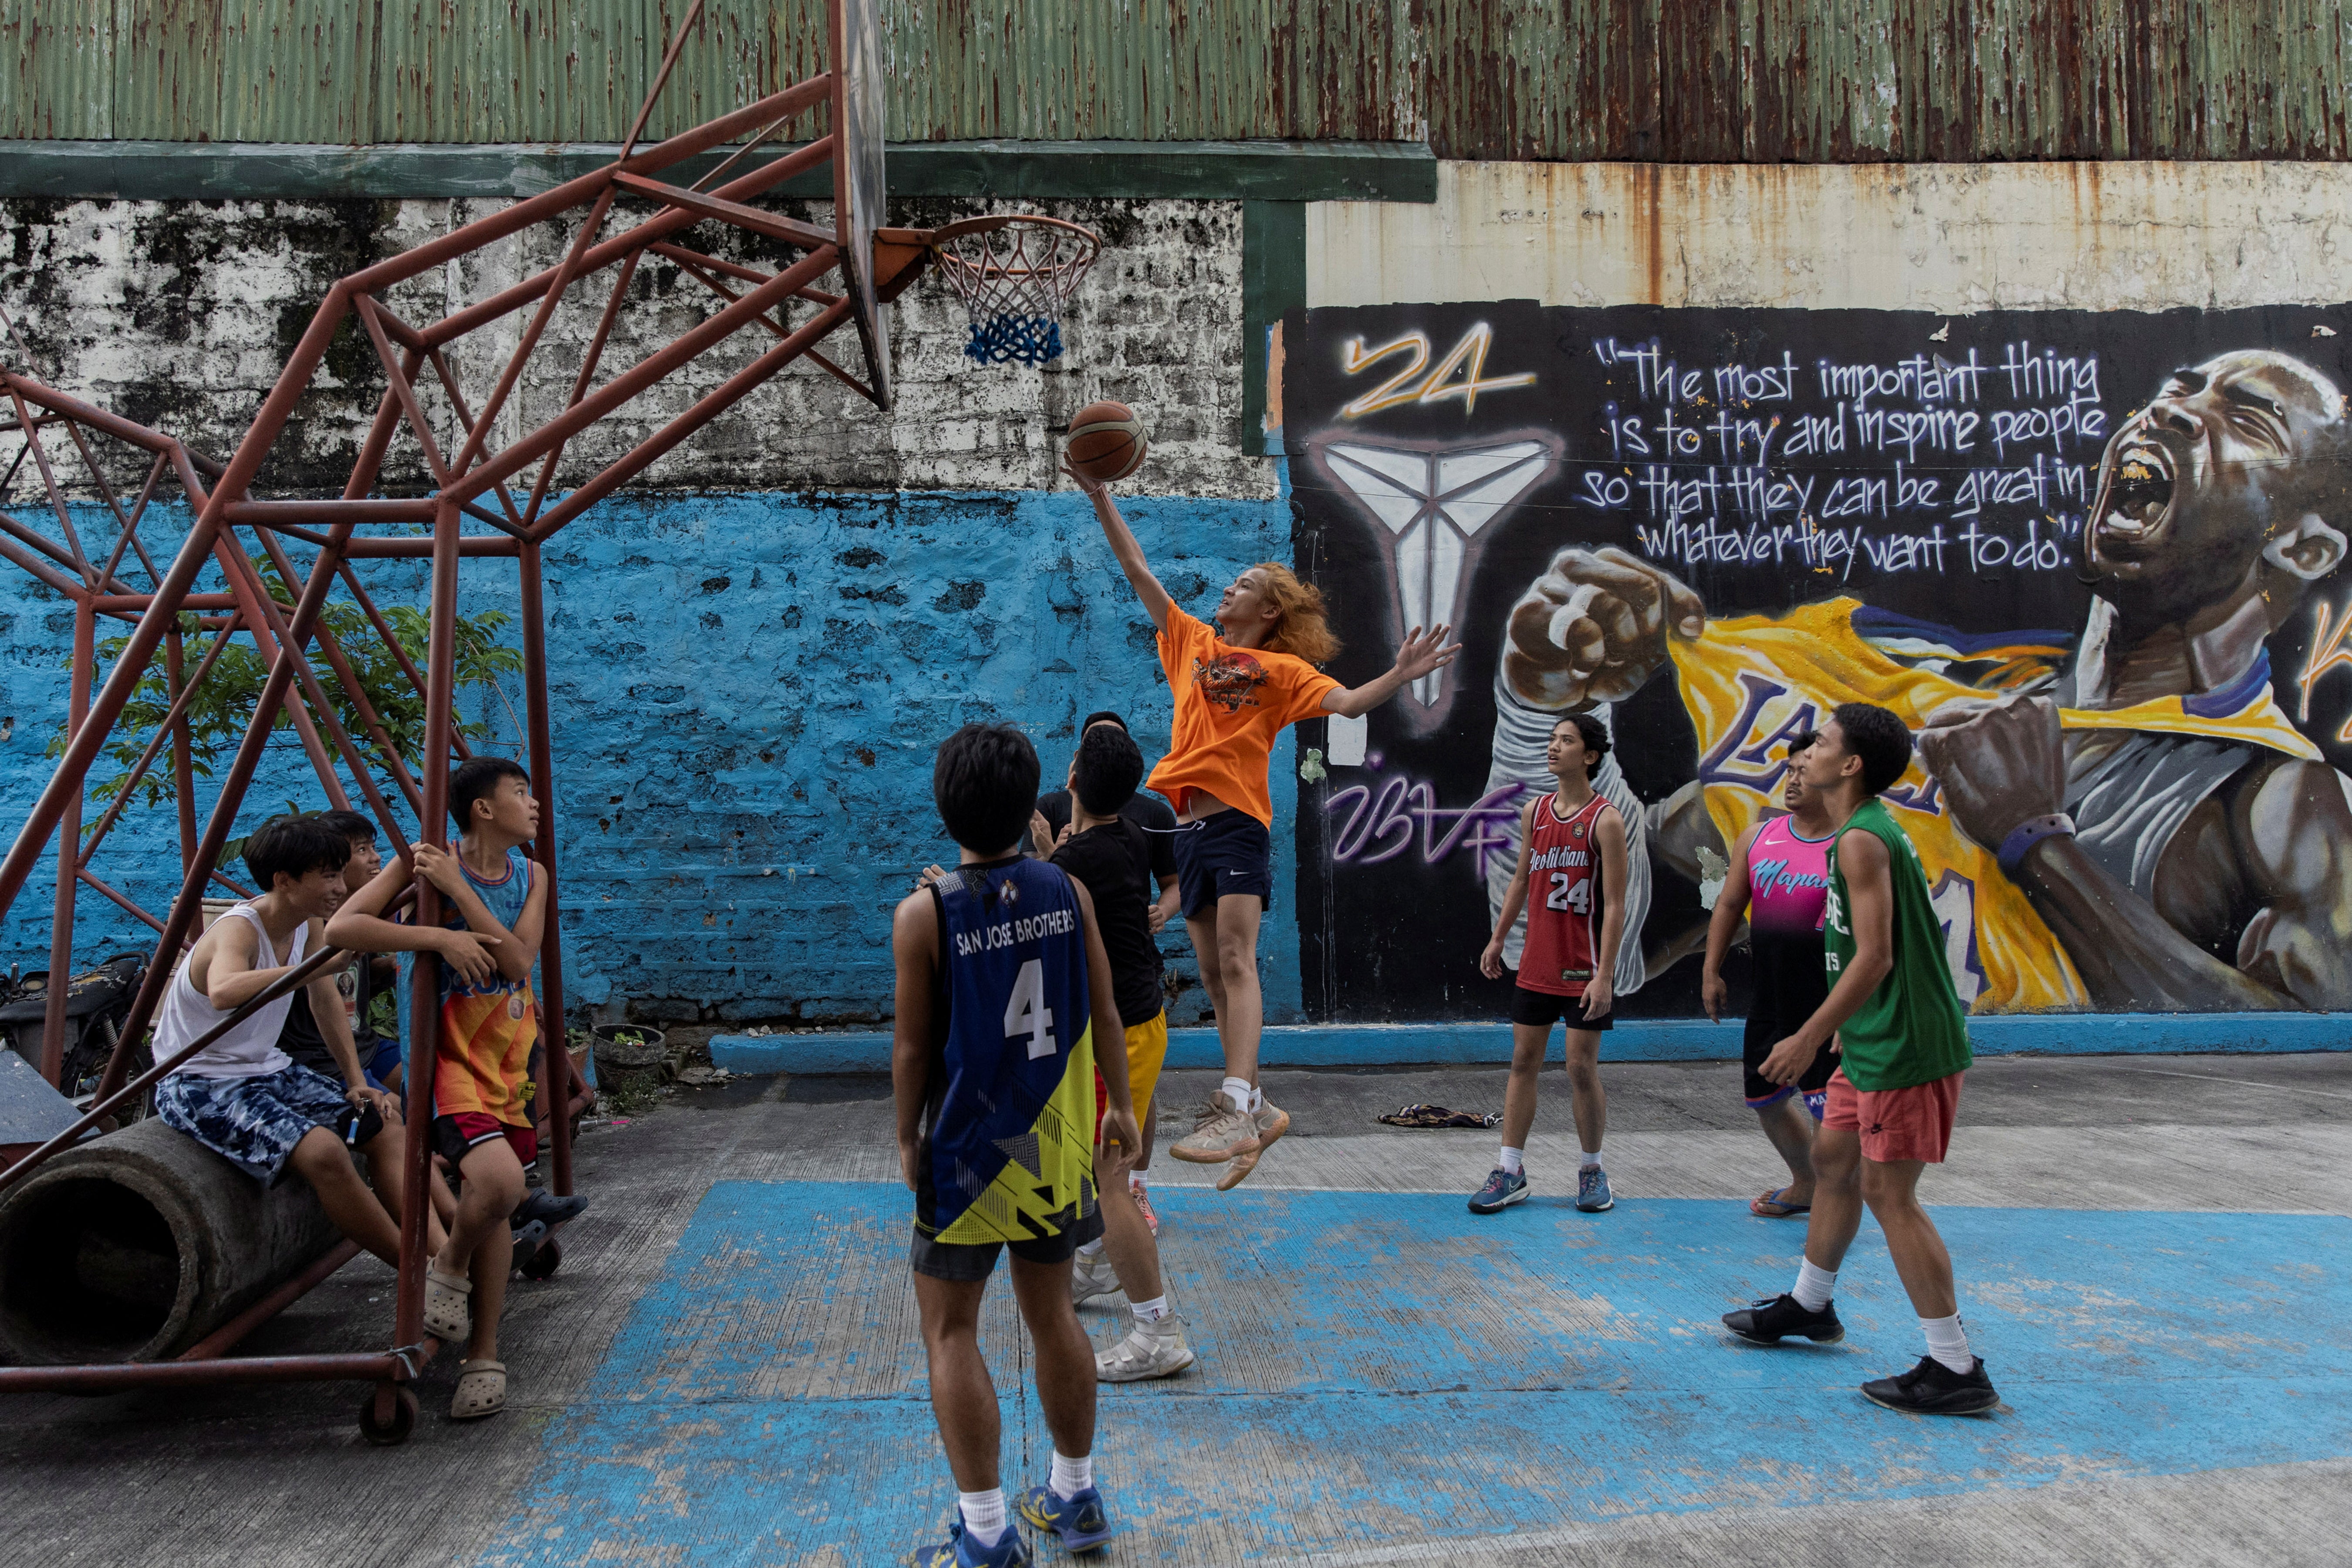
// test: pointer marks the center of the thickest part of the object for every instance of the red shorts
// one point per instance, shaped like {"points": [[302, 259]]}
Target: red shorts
{"points": [[455, 1135], [1896, 1125]]}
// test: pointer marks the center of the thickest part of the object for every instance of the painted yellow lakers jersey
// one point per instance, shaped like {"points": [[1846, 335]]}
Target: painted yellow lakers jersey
{"points": [[1750, 682]]}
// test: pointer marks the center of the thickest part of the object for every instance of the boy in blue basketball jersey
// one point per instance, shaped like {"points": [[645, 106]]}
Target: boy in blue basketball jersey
{"points": [[1004, 987]]}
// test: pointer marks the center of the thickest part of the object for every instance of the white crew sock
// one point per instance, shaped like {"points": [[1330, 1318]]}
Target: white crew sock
{"points": [[1091, 1248], [1813, 1286], [1513, 1160], [1238, 1089], [1258, 1099], [1070, 1475], [1591, 1160], [1135, 1183], [984, 1514], [1948, 1342], [1148, 1312]]}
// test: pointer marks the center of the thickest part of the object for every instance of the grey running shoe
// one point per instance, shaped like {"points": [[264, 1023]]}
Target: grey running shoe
{"points": [[1503, 1189], [1224, 1131], [1592, 1194], [1155, 1349], [1091, 1275], [1271, 1122]]}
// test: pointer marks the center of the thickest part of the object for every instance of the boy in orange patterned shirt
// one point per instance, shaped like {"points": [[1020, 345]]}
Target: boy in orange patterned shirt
{"points": [[495, 900]]}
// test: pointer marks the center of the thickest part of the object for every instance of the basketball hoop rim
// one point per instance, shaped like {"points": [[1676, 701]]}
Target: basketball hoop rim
{"points": [[989, 223]]}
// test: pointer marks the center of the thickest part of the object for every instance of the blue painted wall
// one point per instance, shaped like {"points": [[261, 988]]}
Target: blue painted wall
{"points": [[747, 692]]}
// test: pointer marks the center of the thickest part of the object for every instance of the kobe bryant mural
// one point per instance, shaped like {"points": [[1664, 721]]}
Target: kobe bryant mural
{"points": [[2091, 558]]}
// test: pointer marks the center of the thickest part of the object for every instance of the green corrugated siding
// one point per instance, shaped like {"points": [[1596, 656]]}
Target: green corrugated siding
{"points": [[1685, 80], [59, 55]]}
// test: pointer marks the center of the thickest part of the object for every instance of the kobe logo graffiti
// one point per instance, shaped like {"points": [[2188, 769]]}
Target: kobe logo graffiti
{"points": [[1433, 504]]}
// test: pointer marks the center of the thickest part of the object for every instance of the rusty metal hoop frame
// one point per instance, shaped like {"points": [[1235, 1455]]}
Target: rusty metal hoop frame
{"points": [[1015, 273], [471, 486]]}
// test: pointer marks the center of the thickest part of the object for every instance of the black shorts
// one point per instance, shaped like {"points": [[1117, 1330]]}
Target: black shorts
{"points": [[1228, 852], [970, 1260], [1542, 1009], [1763, 1033]]}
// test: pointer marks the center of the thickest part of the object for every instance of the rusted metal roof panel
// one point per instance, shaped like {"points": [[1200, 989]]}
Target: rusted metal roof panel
{"points": [[1679, 80], [285, 71], [510, 70], [59, 58]]}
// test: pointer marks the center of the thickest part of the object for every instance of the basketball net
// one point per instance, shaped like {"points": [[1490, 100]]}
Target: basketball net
{"points": [[1015, 274]]}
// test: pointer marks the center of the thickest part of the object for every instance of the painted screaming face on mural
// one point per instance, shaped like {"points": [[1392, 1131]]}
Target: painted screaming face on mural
{"points": [[1755, 517]]}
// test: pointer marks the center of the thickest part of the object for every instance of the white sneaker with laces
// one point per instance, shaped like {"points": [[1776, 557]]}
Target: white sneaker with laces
{"points": [[1150, 1350]]}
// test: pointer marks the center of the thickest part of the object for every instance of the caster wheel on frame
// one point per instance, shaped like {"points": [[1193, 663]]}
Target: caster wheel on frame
{"points": [[402, 1422], [545, 1261]]}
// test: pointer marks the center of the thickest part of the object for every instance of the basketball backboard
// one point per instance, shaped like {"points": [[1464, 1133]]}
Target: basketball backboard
{"points": [[858, 181]]}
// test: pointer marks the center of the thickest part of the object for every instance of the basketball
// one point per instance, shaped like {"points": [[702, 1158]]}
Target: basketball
{"points": [[1106, 442]]}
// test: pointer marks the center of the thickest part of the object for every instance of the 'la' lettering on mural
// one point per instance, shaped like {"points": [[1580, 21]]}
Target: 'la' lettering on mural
{"points": [[2069, 548]]}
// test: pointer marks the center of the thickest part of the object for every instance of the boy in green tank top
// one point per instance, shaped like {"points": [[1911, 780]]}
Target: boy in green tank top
{"points": [[1903, 1046]]}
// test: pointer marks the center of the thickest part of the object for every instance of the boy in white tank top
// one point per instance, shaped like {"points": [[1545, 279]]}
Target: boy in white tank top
{"points": [[243, 1098]]}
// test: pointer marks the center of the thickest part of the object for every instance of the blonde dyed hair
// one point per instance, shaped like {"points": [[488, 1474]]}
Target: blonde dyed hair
{"points": [[1303, 627]]}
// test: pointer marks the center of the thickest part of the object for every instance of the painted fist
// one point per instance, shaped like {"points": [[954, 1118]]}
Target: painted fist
{"points": [[1593, 628], [2000, 764]]}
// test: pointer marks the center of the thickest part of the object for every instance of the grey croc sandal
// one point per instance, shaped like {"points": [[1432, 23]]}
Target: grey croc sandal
{"points": [[448, 1315], [481, 1390]]}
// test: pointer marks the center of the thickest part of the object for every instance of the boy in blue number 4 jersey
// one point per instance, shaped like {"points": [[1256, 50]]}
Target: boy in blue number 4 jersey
{"points": [[1004, 987]]}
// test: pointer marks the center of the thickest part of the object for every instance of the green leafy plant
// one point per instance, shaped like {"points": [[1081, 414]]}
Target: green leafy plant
{"points": [[223, 706]]}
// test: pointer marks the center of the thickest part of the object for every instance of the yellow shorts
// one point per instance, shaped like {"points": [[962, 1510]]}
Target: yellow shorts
{"points": [[1147, 1049]]}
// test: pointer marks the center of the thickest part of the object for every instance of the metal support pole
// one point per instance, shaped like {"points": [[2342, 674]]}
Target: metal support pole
{"points": [[61, 917], [183, 783], [555, 1069], [424, 980]]}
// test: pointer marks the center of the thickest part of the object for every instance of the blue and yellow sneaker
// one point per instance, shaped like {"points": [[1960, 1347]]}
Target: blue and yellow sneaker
{"points": [[1082, 1522], [961, 1550]]}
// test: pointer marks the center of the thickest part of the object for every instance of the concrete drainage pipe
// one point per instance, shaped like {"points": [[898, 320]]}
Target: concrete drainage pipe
{"points": [[135, 1247]]}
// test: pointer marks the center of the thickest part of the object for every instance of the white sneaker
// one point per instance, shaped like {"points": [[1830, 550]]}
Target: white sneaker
{"points": [[1091, 1275], [1154, 1350]]}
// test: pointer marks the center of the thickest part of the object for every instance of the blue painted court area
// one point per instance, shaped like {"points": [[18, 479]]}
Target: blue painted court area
{"points": [[1382, 1367]]}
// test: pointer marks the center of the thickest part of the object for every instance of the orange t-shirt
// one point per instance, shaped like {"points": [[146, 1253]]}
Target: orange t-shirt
{"points": [[1231, 702]]}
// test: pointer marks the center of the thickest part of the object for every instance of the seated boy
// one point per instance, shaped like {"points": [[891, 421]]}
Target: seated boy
{"points": [[307, 1033], [243, 1098], [495, 908], [1003, 989], [1107, 855]]}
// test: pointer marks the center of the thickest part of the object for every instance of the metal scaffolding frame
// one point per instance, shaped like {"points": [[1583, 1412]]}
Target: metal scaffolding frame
{"points": [[471, 486]]}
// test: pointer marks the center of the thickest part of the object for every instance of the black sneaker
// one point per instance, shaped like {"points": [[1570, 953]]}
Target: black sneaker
{"points": [[1778, 1318], [1931, 1388]]}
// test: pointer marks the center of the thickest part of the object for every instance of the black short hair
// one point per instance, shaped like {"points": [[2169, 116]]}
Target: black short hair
{"points": [[1101, 716], [985, 781], [1596, 738], [297, 845], [477, 778], [358, 829], [1108, 770], [1881, 739], [1801, 740]]}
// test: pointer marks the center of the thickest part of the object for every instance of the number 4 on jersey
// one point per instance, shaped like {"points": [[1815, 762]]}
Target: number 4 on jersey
{"points": [[1025, 1012]]}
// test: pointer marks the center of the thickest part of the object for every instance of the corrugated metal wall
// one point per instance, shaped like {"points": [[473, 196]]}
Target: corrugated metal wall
{"points": [[1680, 80]]}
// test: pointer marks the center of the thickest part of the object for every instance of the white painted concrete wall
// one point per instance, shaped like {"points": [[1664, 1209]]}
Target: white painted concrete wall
{"points": [[1954, 239]]}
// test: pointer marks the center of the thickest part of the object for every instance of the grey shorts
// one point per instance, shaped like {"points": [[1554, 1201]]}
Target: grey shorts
{"points": [[254, 1122], [970, 1260]]}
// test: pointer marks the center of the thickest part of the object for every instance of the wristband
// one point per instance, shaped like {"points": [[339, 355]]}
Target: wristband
{"points": [[2028, 834]]}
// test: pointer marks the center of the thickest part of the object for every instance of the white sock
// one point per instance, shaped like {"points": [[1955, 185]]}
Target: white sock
{"points": [[1592, 1161], [1258, 1099], [1948, 1342], [1070, 1475], [1135, 1185], [1513, 1160], [1813, 1286], [1238, 1089], [1092, 1249], [984, 1514], [1151, 1311]]}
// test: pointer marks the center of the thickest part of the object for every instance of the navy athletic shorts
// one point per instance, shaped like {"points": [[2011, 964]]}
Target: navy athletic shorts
{"points": [[1228, 852]]}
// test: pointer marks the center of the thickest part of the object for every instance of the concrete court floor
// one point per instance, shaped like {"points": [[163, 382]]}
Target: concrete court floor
{"points": [[727, 1371]]}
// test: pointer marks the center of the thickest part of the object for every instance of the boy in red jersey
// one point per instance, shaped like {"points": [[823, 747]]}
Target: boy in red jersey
{"points": [[1573, 842]]}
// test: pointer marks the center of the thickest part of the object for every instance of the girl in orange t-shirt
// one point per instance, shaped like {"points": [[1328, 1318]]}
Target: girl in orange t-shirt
{"points": [[1237, 685]]}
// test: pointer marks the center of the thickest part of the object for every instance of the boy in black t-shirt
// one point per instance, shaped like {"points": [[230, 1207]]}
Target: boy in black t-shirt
{"points": [[1158, 822], [1108, 855]]}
